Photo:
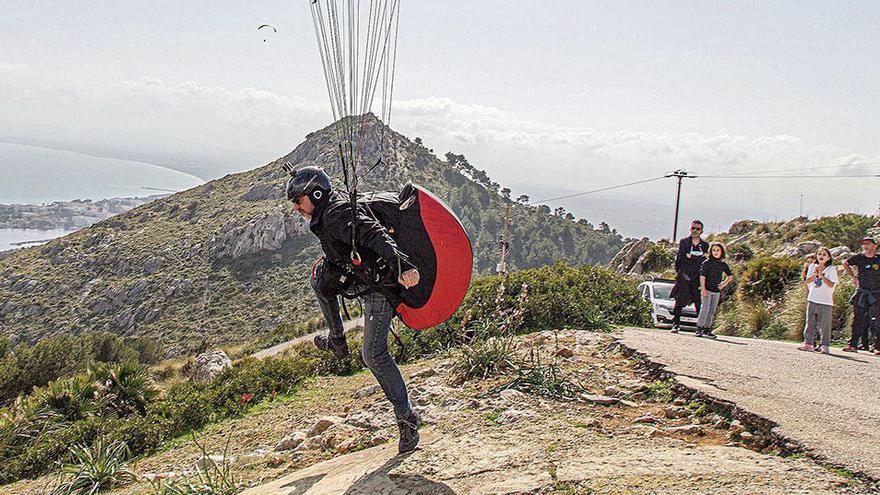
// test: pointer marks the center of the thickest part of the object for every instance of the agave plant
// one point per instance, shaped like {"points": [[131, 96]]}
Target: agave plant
{"points": [[214, 479], [94, 468]]}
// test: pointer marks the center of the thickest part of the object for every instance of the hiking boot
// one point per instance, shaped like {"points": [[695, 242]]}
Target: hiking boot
{"points": [[850, 348], [409, 433], [708, 334], [675, 329], [337, 345]]}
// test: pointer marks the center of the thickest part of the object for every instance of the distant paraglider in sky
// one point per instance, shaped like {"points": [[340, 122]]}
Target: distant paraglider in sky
{"points": [[267, 28]]}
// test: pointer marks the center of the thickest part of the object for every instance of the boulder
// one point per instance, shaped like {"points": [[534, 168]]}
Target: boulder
{"points": [[322, 424], [788, 251], [209, 364], [290, 442], [742, 226], [626, 260], [673, 412], [685, 430], [842, 252], [808, 247], [342, 437]]}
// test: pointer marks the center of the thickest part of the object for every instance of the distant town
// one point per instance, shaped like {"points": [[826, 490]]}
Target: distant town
{"points": [[69, 215]]}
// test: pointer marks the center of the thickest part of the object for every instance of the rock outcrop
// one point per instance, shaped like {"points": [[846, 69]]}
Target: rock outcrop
{"points": [[265, 232], [628, 260], [208, 365]]}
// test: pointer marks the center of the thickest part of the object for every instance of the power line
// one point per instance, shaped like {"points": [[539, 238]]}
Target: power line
{"points": [[783, 176], [609, 188], [802, 169]]}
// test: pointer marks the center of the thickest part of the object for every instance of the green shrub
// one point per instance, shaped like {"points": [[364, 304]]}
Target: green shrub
{"points": [[658, 258], [148, 350], [740, 252], [559, 295], [765, 277], [213, 479], [95, 468], [842, 230]]}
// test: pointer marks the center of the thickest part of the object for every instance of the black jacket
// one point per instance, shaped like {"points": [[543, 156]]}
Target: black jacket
{"points": [[381, 260], [690, 266]]}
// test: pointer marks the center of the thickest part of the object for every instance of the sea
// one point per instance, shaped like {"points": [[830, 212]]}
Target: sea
{"points": [[35, 175]]}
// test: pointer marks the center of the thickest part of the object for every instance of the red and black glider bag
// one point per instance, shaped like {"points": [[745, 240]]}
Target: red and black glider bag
{"points": [[427, 231]]}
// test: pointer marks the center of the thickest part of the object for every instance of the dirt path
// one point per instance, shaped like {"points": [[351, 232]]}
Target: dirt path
{"points": [[279, 348], [828, 403]]}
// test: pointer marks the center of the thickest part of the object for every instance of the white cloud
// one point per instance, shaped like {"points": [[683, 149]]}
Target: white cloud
{"points": [[512, 149]]}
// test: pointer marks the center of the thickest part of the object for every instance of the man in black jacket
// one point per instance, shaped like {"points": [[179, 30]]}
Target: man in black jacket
{"points": [[360, 258], [692, 251]]}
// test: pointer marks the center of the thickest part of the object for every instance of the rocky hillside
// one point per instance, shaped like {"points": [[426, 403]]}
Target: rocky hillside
{"points": [[228, 260]]}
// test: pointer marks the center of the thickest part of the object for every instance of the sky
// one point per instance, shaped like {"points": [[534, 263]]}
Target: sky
{"points": [[550, 97]]}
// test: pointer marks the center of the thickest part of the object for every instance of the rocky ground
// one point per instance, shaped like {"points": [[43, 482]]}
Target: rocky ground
{"points": [[626, 433]]}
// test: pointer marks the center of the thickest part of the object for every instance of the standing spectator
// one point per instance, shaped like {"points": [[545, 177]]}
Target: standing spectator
{"points": [[711, 285], [820, 280], [865, 270], [692, 251]]}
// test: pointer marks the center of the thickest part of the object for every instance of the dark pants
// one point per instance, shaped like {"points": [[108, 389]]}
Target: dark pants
{"points": [[685, 292], [866, 320], [377, 323]]}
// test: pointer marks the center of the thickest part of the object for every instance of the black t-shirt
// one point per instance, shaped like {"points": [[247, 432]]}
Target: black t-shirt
{"points": [[869, 270], [712, 269]]}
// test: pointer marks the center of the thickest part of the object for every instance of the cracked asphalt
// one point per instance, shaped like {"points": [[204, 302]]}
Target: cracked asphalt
{"points": [[828, 403]]}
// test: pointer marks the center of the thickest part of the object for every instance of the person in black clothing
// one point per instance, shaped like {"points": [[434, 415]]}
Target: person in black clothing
{"points": [[692, 251], [362, 261], [715, 275], [865, 270]]}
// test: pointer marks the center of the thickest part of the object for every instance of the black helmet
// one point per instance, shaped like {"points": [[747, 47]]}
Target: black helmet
{"points": [[308, 180]]}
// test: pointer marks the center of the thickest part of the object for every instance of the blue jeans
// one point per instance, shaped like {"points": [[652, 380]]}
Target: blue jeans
{"points": [[377, 323]]}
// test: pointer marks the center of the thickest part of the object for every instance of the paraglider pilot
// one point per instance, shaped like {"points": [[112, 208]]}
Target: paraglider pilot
{"points": [[363, 261]]}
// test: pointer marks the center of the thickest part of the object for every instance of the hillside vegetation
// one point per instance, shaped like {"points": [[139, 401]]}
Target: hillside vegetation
{"points": [[118, 400], [767, 298], [227, 261]]}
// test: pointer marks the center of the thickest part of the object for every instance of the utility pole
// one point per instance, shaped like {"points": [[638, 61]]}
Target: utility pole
{"points": [[679, 174], [504, 242]]}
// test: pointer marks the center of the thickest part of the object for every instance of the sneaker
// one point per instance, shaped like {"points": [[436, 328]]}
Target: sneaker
{"points": [[337, 345], [675, 329], [699, 332], [817, 347], [824, 349], [806, 347], [409, 433], [850, 348], [877, 352], [708, 334]]}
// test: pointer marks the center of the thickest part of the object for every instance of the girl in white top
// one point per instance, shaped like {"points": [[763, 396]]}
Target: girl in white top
{"points": [[821, 280]]}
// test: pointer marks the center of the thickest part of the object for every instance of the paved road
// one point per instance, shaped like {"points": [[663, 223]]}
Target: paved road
{"points": [[279, 348], [830, 404]]}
